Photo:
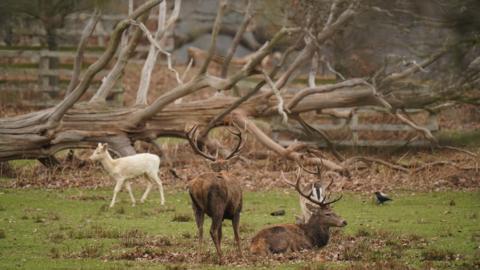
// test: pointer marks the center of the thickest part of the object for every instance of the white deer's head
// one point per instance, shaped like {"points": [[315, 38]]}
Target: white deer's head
{"points": [[100, 152]]}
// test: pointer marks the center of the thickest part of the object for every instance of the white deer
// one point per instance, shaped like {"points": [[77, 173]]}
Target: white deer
{"points": [[125, 168]]}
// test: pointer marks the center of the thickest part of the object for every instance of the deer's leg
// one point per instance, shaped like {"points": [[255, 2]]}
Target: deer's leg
{"points": [[116, 189], [216, 233], [154, 177], [236, 227], [199, 217], [129, 188], [147, 190]]}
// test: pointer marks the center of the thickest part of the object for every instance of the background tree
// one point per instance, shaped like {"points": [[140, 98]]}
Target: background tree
{"points": [[71, 124]]}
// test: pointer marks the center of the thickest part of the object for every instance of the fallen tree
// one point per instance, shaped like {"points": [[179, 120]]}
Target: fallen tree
{"points": [[72, 124]]}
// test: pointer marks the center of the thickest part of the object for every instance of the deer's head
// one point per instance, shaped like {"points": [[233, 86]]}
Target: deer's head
{"points": [[100, 152], [217, 163], [325, 216]]}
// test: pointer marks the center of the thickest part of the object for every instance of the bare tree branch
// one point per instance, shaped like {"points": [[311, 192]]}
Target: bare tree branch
{"points": [[143, 87], [238, 36], [159, 48], [73, 97], [313, 131], [280, 108], [352, 160], [414, 68], [331, 69], [213, 41], [333, 10], [77, 64], [322, 89], [250, 94], [309, 49], [147, 69], [313, 71], [435, 163], [200, 82], [458, 149], [243, 121], [125, 54], [426, 133]]}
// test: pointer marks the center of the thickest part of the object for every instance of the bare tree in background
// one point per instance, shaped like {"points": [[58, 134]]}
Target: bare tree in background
{"points": [[73, 125]]}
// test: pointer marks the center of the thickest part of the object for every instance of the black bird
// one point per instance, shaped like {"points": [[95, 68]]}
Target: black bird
{"points": [[381, 197]]}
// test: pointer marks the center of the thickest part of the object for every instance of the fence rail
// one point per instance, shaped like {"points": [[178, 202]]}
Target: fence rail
{"points": [[31, 71], [355, 126]]}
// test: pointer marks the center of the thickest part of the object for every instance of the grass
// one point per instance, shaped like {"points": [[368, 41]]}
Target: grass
{"points": [[57, 229], [463, 138]]}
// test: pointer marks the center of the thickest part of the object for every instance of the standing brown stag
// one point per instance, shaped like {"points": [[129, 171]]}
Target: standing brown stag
{"points": [[314, 233], [216, 195]]}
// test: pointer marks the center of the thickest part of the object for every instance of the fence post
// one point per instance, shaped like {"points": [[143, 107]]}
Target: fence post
{"points": [[353, 127], [43, 68], [432, 121], [101, 33]]}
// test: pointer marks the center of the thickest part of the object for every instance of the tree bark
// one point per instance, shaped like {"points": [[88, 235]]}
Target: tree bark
{"points": [[84, 127]]}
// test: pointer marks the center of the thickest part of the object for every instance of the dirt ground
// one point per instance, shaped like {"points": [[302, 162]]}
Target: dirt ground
{"points": [[347, 248]]}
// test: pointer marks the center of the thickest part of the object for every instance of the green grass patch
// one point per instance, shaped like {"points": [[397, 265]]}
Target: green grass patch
{"points": [[170, 141], [23, 163], [460, 138], [59, 229]]}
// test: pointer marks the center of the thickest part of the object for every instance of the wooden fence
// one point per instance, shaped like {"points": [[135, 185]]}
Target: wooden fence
{"points": [[27, 77], [31, 76], [366, 127]]}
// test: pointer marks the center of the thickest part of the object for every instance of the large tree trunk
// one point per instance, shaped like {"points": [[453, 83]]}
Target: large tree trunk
{"points": [[23, 137]]}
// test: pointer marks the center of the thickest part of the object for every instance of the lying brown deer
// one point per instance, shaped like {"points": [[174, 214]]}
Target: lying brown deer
{"points": [[314, 233], [216, 195]]}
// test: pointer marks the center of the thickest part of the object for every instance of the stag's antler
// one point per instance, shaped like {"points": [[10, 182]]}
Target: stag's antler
{"points": [[316, 172], [192, 137], [297, 185], [239, 146], [323, 203]]}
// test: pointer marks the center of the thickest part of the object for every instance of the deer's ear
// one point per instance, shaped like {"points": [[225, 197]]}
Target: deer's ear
{"points": [[105, 146]]}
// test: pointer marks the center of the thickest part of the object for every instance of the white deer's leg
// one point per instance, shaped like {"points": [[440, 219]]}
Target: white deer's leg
{"points": [[129, 188], [154, 177], [118, 187], [145, 194]]}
